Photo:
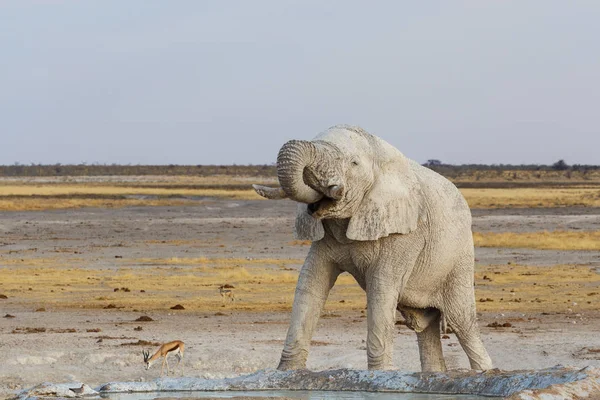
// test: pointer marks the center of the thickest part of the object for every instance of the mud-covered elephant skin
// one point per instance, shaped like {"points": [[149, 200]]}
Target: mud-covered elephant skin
{"points": [[400, 229]]}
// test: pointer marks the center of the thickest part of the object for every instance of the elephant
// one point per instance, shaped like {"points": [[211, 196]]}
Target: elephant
{"points": [[400, 229]]}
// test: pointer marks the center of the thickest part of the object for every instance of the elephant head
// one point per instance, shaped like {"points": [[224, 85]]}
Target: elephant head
{"points": [[347, 173]]}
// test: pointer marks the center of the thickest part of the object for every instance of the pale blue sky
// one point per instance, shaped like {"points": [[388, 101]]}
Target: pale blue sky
{"points": [[222, 82]]}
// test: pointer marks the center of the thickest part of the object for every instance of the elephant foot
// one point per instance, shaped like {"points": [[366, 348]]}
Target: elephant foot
{"points": [[484, 364], [439, 367], [290, 365], [381, 362], [380, 367], [293, 359]]}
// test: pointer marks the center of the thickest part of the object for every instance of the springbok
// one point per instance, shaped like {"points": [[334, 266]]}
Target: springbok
{"points": [[175, 347], [225, 292]]}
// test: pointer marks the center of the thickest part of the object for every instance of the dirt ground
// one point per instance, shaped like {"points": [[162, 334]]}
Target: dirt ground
{"points": [[62, 270]]}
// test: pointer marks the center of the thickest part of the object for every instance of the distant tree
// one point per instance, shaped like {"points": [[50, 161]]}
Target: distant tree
{"points": [[433, 163], [560, 165]]}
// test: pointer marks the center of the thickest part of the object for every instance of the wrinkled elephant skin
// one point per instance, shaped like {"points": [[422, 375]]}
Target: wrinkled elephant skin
{"points": [[400, 229]]}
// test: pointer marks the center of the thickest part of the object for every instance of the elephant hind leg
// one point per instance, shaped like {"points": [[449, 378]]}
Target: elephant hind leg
{"points": [[463, 322], [430, 346], [426, 323]]}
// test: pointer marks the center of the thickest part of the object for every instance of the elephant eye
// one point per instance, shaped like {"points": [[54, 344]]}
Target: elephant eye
{"points": [[354, 162]]}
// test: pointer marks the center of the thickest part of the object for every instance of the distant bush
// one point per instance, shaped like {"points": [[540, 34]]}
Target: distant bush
{"points": [[477, 171], [560, 165], [124, 170]]}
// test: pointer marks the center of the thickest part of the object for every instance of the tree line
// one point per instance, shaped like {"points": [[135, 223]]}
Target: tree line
{"points": [[450, 170], [17, 170]]}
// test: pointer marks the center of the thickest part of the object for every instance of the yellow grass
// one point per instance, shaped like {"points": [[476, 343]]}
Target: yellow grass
{"points": [[555, 240], [219, 262], [558, 288], [37, 204], [300, 243], [266, 288], [19, 196], [501, 198], [101, 190], [260, 284]]}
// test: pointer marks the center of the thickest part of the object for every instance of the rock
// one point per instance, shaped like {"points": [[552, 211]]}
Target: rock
{"points": [[549, 384], [537, 384], [62, 390]]}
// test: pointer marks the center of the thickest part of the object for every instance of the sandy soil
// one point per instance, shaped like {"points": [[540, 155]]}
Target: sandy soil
{"points": [[96, 345]]}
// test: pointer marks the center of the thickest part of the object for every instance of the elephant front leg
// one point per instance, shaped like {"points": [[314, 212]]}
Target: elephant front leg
{"points": [[382, 299], [316, 279]]}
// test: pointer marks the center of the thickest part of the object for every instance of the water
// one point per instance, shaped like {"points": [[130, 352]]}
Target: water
{"points": [[291, 394]]}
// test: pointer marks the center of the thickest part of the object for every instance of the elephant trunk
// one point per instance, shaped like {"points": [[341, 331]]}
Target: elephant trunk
{"points": [[293, 157]]}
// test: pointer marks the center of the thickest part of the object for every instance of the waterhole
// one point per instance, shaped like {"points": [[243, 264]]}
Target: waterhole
{"points": [[291, 395]]}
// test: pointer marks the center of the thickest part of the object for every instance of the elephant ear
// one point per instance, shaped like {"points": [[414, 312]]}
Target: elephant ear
{"points": [[393, 203], [307, 227]]}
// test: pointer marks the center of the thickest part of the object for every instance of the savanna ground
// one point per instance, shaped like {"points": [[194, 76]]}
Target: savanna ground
{"points": [[84, 260]]}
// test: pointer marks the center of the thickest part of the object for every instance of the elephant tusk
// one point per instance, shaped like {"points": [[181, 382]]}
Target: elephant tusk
{"points": [[270, 193]]}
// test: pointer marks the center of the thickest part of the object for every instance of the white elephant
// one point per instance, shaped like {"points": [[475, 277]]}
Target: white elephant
{"points": [[400, 229]]}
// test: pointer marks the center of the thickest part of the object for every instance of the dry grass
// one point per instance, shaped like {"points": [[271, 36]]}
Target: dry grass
{"points": [[260, 284], [215, 262], [300, 243], [555, 240], [103, 190], [54, 194], [265, 285], [39, 204], [559, 288], [38, 196], [554, 176], [524, 198]]}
